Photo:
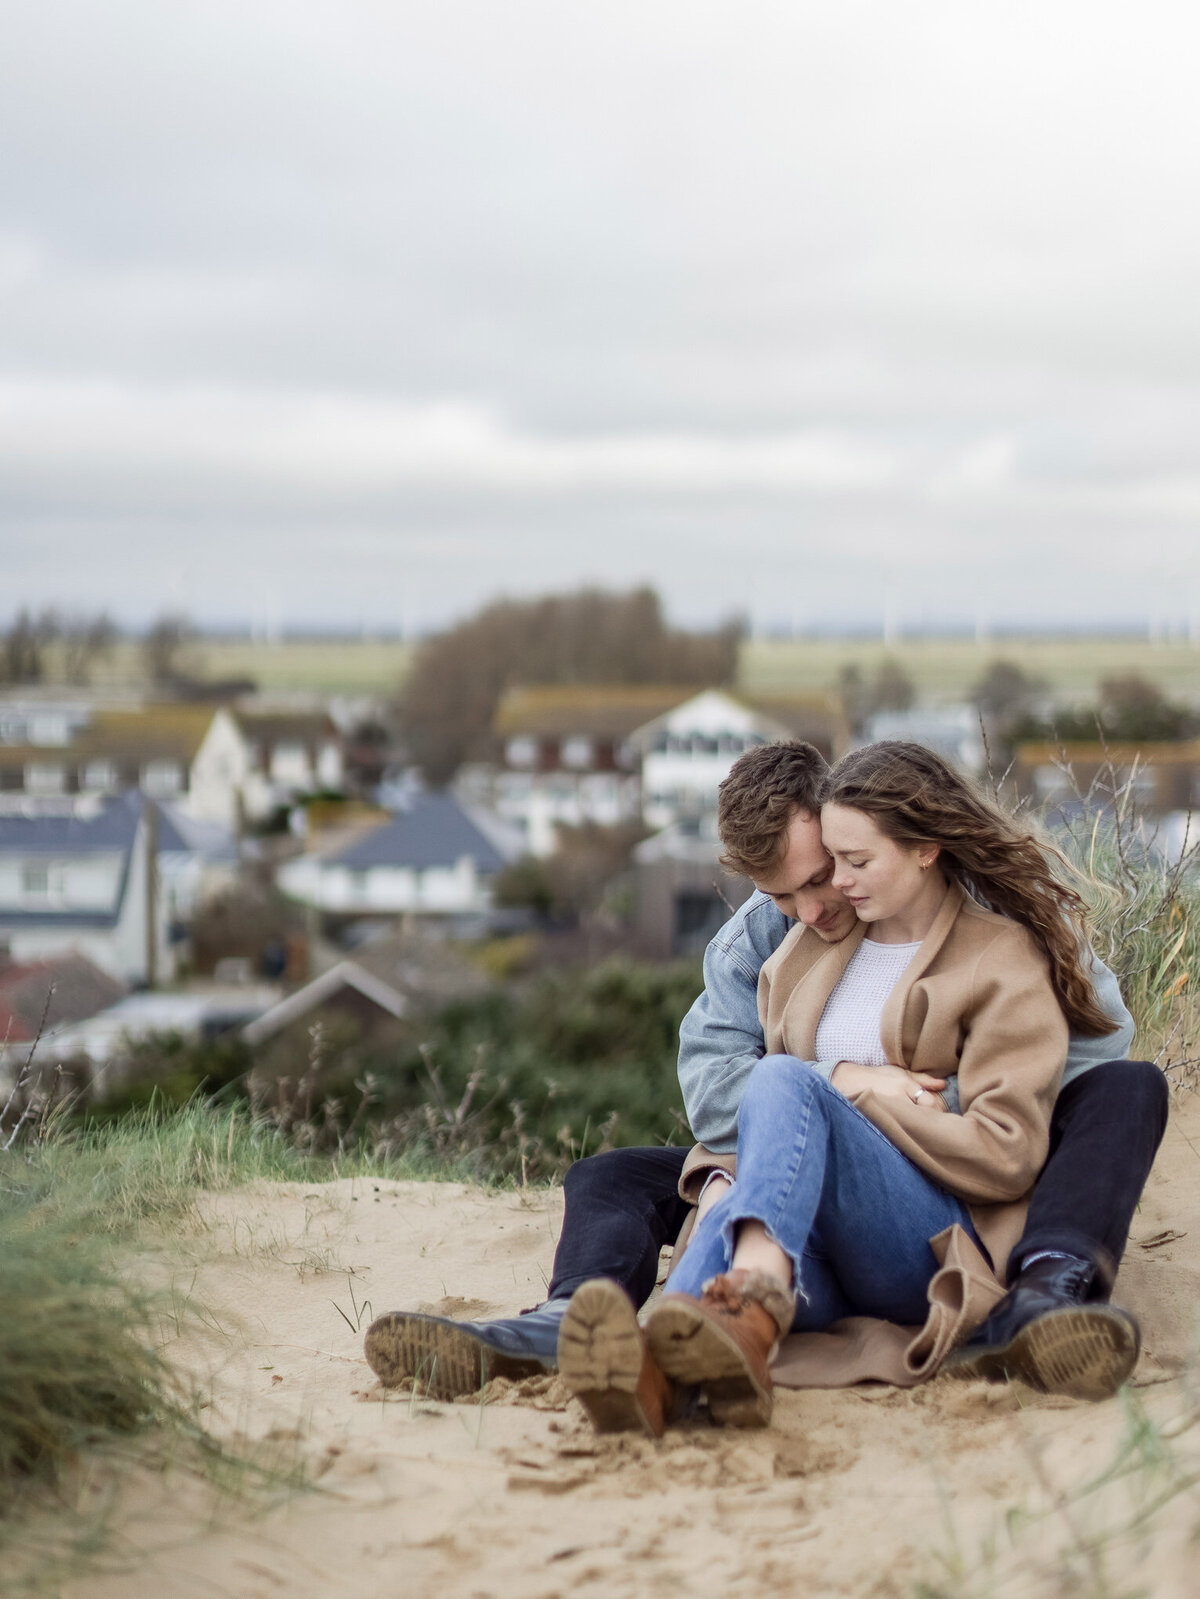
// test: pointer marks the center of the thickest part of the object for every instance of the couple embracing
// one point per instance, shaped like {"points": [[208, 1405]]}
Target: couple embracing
{"points": [[906, 1074]]}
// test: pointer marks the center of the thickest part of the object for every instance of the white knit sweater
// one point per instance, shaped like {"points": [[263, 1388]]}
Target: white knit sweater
{"points": [[849, 1025]]}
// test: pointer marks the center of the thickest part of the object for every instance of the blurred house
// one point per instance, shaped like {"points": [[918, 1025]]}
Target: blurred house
{"points": [[103, 1039], [196, 862], [346, 991], [291, 753], [566, 758], [614, 753], [39, 997], [83, 876], [685, 753], [684, 894], [191, 755], [1155, 779], [436, 857], [952, 732]]}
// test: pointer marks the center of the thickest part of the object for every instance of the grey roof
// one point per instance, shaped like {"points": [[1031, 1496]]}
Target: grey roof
{"points": [[114, 826], [179, 833], [434, 830]]}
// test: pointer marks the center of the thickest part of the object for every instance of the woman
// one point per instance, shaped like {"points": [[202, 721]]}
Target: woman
{"points": [[846, 1171]]}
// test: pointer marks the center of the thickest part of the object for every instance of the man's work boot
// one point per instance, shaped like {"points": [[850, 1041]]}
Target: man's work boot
{"points": [[724, 1341], [447, 1359], [605, 1363], [1053, 1331]]}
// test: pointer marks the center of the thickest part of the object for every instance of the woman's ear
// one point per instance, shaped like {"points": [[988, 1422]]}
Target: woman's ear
{"points": [[927, 854]]}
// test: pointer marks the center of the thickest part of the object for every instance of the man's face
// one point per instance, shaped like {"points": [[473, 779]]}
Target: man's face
{"points": [[801, 884]]}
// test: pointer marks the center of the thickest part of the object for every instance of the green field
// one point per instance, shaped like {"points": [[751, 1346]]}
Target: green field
{"points": [[318, 666], [942, 669], [946, 669]]}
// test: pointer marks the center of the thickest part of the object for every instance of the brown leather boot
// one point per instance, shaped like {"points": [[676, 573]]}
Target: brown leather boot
{"points": [[724, 1341], [604, 1361]]}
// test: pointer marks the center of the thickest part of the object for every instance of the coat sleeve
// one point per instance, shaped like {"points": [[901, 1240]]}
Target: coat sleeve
{"points": [[1009, 1070]]}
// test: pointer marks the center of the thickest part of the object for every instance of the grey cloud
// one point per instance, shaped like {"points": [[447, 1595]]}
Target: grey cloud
{"points": [[648, 256]]}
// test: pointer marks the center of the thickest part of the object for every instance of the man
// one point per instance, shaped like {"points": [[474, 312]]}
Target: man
{"points": [[1054, 1328]]}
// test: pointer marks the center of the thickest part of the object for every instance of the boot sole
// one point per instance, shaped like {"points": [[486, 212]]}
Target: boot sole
{"points": [[444, 1359], [1085, 1353], [600, 1353], [691, 1349]]}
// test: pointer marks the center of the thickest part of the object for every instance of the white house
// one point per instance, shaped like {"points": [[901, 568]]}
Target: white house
{"points": [[565, 758], [686, 753], [82, 877], [435, 857], [191, 755], [290, 753]]}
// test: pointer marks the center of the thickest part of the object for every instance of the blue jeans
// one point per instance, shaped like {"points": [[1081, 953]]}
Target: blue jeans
{"points": [[853, 1213]]}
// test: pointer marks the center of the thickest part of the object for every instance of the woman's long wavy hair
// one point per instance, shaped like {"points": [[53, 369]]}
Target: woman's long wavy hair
{"points": [[915, 798]]}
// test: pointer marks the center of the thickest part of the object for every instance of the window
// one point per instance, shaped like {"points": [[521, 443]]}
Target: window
{"points": [[162, 778], [45, 777], [100, 777], [42, 881], [522, 751], [577, 752], [35, 881]]}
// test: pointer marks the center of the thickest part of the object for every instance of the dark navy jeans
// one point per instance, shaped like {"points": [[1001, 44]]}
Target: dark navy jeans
{"points": [[623, 1206]]}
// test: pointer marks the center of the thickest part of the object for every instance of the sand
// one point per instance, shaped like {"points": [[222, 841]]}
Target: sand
{"points": [[961, 1486]]}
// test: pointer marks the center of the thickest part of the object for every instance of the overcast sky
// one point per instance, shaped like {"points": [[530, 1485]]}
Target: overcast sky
{"points": [[367, 310]]}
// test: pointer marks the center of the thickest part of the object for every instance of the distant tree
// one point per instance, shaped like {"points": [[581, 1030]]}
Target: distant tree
{"points": [[167, 649], [891, 688], [1131, 707], [84, 641], [853, 693], [1128, 709], [1005, 694], [450, 695], [23, 655]]}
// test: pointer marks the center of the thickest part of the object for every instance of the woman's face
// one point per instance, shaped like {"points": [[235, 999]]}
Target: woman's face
{"points": [[880, 878]]}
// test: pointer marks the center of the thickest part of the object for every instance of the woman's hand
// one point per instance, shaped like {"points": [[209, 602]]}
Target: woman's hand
{"points": [[716, 1189], [894, 1082]]}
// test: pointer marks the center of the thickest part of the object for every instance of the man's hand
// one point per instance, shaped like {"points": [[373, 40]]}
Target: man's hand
{"points": [[894, 1082]]}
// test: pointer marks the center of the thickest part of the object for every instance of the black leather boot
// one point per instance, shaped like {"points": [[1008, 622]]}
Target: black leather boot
{"points": [[1054, 1331]]}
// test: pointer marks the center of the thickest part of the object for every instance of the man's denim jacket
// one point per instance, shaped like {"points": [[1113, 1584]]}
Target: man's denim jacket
{"points": [[721, 1037]]}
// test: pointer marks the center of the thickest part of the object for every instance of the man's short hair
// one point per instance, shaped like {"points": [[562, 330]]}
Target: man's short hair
{"points": [[757, 801]]}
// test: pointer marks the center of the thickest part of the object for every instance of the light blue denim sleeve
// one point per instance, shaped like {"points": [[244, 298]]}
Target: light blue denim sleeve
{"points": [[720, 1038], [1083, 1053]]}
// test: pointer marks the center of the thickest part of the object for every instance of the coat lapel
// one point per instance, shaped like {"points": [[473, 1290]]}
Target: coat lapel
{"points": [[804, 985], [896, 1046]]}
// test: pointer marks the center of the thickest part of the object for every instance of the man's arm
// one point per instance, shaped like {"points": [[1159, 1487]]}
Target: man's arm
{"points": [[721, 1038]]}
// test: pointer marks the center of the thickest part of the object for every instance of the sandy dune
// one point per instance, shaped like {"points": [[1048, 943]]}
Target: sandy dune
{"points": [[865, 1492]]}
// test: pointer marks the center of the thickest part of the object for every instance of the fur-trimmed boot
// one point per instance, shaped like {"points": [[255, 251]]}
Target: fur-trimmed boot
{"points": [[725, 1341]]}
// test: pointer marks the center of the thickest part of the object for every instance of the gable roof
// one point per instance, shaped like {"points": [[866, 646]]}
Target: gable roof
{"points": [[160, 732], [48, 993], [598, 710], [346, 974], [434, 829]]}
